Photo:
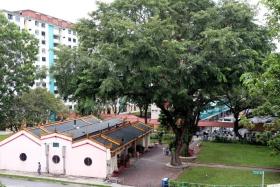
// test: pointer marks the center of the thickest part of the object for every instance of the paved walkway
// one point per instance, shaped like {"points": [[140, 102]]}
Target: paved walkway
{"points": [[149, 169], [234, 167]]}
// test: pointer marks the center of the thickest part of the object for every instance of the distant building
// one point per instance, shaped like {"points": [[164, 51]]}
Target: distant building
{"points": [[50, 32], [155, 112], [81, 147]]}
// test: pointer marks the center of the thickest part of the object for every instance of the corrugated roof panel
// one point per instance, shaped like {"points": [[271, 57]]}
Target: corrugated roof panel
{"points": [[95, 128], [106, 142], [92, 120], [125, 133], [36, 131], [69, 125], [144, 127]]}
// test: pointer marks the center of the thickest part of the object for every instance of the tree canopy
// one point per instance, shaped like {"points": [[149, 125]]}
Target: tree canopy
{"points": [[18, 50], [178, 54]]}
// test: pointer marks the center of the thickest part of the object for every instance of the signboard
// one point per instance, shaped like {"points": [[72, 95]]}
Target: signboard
{"points": [[258, 172]]}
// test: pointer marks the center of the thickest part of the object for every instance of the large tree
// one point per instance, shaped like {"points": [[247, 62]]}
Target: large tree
{"points": [[177, 54], [18, 50], [32, 108]]}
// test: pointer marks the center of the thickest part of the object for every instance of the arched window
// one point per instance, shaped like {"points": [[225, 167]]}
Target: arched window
{"points": [[88, 161], [55, 159], [23, 157]]}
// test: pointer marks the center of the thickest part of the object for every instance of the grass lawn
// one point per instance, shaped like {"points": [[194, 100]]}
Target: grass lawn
{"points": [[237, 154], [226, 176], [2, 137]]}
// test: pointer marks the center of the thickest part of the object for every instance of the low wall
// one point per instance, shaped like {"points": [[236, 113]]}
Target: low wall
{"points": [[188, 159]]}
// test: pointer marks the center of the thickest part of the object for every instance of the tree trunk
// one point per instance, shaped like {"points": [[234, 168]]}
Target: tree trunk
{"points": [[115, 108], [236, 125], [141, 111], [146, 113], [176, 152]]}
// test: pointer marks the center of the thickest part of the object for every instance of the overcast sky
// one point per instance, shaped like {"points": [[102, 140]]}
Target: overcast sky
{"points": [[70, 10]]}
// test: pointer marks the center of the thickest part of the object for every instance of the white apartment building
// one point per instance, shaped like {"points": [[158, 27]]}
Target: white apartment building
{"points": [[50, 32]]}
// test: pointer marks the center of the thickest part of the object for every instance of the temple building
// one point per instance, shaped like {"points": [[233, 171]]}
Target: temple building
{"points": [[81, 147]]}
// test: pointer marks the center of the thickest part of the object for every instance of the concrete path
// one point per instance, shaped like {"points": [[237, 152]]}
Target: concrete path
{"points": [[9, 182], [234, 167], [149, 169]]}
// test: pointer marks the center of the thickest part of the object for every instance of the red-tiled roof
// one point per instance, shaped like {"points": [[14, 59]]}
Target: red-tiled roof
{"points": [[43, 17], [205, 123], [131, 118]]}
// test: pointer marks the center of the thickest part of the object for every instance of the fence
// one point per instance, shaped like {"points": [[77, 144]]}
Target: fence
{"points": [[187, 184]]}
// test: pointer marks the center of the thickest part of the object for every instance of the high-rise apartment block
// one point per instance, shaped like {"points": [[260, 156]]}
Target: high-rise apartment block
{"points": [[50, 32]]}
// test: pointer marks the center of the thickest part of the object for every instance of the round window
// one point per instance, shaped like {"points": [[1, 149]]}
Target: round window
{"points": [[55, 159], [88, 161], [22, 156]]}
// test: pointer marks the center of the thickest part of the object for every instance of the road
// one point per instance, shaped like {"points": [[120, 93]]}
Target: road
{"points": [[9, 182]]}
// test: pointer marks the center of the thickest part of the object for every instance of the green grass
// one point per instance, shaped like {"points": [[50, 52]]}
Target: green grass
{"points": [[2, 137], [47, 180], [237, 154], [226, 176]]}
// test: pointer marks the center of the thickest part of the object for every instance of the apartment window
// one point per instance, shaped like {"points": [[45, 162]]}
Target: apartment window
{"points": [[23, 157], [69, 39], [55, 37], [74, 40], [44, 84], [30, 29], [44, 59], [69, 31], [37, 32], [37, 84], [56, 92], [43, 50], [36, 23], [43, 25], [43, 33], [10, 16], [44, 42], [69, 46], [17, 18], [55, 44], [74, 33]]}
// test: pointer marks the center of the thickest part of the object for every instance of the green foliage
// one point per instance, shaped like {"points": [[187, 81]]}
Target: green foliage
{"points": [[41, 73], [273, 16], [18, 50], [32, 108], [246, 123], [263, 137], [274, 144], [266, 85]]}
